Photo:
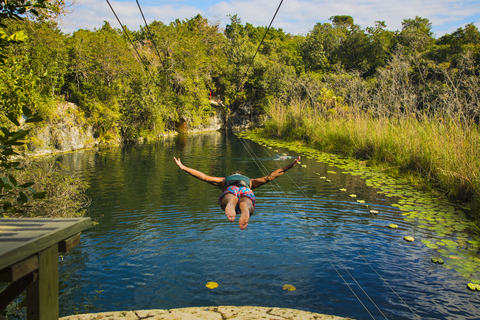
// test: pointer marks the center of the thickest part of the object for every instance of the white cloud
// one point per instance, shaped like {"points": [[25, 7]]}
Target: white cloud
{"points": [[295, 16]]}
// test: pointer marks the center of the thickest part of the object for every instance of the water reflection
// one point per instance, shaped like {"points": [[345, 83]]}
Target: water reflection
{"points": [[161, 237]]}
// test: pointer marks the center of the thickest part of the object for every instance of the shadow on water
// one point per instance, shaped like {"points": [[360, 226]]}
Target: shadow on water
{"points": [[161, 237]]}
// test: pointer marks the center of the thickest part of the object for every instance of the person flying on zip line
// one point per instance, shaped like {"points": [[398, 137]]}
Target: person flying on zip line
{"points": [[237, 196]]}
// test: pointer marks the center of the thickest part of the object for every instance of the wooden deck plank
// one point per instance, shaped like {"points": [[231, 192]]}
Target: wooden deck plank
{"points": [[21, 238]]}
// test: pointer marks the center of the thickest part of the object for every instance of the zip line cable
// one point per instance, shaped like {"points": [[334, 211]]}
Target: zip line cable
{"points": [[261, 42], [150, 34], [279, 189], [131, 42]]}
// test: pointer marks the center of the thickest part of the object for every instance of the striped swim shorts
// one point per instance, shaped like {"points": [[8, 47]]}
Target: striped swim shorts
{"points": [[239, 192]]}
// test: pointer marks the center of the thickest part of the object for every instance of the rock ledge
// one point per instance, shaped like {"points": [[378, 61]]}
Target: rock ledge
{"points": [[210, 313]]}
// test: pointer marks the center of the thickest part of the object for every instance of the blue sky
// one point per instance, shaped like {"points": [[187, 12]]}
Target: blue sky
{"points": [[295, 16]]}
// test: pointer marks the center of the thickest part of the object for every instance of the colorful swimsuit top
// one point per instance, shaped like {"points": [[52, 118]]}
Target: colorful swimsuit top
{"points": [[238, 180]]}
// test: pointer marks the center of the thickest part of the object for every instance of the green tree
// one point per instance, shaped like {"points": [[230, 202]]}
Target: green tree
{"points": [[416, 34], [315, 46], [451, 47]]}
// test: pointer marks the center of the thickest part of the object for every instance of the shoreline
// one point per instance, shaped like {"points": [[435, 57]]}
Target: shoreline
{"points": [[213, 313]]}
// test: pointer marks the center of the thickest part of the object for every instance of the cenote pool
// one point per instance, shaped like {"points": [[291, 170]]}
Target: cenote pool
{"points": [[161, 237]]}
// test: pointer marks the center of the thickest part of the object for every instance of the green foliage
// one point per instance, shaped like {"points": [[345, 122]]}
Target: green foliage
{"points": [[416, 34], [15, 196], [64, 193], [19, 99]]}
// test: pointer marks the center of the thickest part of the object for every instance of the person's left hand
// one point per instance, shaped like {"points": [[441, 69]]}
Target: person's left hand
{"points": [[179, 163]]}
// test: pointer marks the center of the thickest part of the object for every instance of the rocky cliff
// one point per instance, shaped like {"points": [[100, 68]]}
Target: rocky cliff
{"points": [[66, 133], [70, 130]]}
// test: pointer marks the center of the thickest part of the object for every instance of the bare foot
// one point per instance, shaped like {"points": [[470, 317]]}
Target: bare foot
{"points": [[243, 222], [230, 208]]}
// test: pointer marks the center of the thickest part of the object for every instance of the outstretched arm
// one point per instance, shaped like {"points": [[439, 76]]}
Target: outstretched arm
{"points": [[255, 183], [216, 181]]}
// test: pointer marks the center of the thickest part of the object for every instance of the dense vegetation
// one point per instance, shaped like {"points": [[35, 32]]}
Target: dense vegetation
{"points": [[405, 98], [23, 105]]}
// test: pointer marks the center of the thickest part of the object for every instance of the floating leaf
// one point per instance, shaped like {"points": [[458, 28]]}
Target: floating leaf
{"points": [[332, 172], [353, 195], [304, 165], [473, 286], [289, 287], [438, 260], [393, 226], [361, 201], [211, 285], [373, 211], [343, 189], [328, 180], [409, 238]]}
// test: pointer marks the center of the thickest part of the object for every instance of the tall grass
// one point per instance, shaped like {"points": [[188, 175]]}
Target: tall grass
{"points": [[437, 145]]}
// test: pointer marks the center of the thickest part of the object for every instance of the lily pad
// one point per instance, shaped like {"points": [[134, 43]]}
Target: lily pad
{"points": [[409, 238], [211, 285], [473, 286], [438, 260], [289, 287]]}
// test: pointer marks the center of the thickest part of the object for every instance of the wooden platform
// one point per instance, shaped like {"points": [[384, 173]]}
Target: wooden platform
{"points": [[29, 260]]}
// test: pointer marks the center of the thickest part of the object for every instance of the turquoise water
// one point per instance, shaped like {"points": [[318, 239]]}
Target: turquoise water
{"points": [[161, 237]]}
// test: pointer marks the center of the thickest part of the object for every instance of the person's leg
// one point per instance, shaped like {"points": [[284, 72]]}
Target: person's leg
{"points": [[229, 203], [246, 209]]}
